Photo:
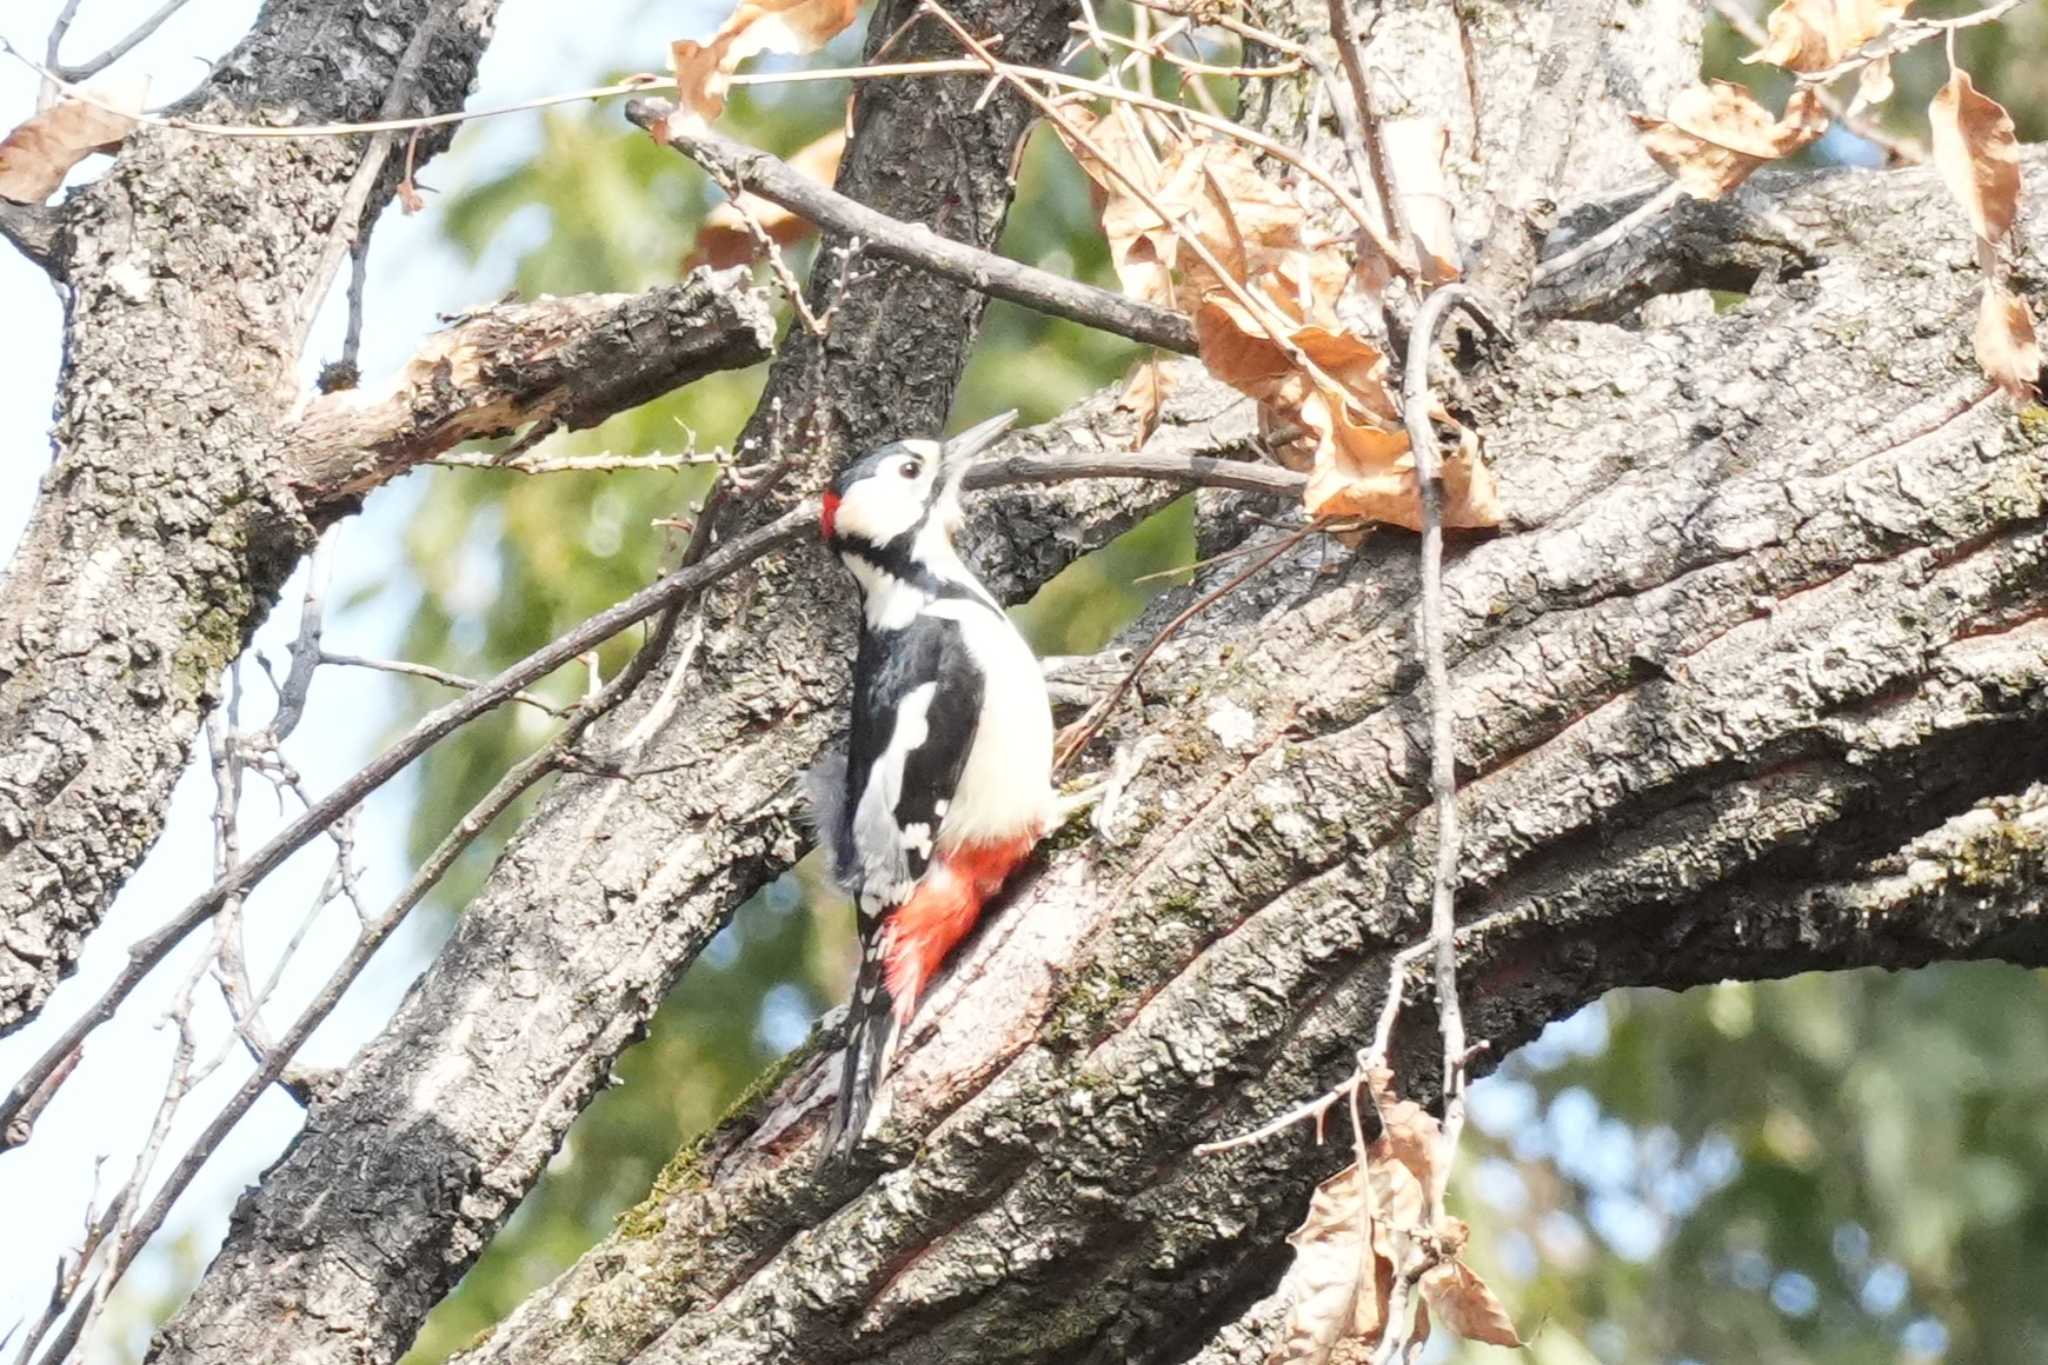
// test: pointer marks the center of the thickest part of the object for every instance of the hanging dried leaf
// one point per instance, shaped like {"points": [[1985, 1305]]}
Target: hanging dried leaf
{"points": [[1463, 1303], [1409, 1133], [1977, 154], [35, 157], [723, 240], [1141, 250], [1873, 87], [2005, 343], [1813, 35], [1145, 390], [704, 70], [1337, 1290], [1415, 162], [1717, 135]]}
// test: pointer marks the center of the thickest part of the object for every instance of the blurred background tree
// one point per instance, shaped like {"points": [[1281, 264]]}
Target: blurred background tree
{"points": [[1839, 1168]]}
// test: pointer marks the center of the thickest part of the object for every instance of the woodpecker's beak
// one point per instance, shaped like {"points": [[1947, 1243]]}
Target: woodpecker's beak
{"points": [[963, 449], [956, 457]]}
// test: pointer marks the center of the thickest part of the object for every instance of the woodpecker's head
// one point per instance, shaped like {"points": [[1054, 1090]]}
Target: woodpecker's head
{"points": [[894, 500]]}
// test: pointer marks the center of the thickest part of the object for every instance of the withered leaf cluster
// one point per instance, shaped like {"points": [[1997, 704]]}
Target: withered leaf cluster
{"points": [[1716, 134], [1198, 224], [1370, 1228]]}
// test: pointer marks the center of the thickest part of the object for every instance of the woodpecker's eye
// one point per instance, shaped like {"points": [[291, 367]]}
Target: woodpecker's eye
{"points": [[910, 469]]}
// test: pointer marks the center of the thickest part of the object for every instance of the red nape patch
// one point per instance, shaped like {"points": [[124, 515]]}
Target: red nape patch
{"points": [[941, 911], [830, 517]]}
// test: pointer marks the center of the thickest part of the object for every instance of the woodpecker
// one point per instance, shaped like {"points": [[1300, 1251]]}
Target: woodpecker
{"points": [[946, 782]]}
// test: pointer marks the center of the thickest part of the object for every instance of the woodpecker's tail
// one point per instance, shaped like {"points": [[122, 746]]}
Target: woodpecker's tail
{"points": [[870, 1039]]}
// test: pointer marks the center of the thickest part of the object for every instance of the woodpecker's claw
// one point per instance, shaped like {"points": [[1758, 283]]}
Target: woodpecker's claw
{"points": [[1104, 795]]}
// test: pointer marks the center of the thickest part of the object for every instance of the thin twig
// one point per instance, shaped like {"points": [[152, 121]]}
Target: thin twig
{"points": [[1366, 129], [580, 464], [1443, 776], [86, 70], [305, 652], [913, 243], [349, 229], [442, 676], [1621, 227], [1902, 35], [46, 93]]}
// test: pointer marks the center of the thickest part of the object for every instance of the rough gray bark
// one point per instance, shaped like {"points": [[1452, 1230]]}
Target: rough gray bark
{"points": [[164, 528], [1766, 626]]}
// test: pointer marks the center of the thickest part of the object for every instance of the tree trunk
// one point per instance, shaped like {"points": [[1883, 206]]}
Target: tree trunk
{"points": [[165, 527], [1733, 688]]}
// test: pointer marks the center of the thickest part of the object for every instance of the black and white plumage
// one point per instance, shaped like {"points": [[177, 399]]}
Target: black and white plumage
{"points": [[945, 785]]}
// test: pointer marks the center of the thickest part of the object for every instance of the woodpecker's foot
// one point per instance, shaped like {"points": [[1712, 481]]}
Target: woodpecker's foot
{"points": [[1101, 797]]}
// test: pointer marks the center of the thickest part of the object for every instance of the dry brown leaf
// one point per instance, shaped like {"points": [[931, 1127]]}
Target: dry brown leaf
{"points": [[1873, 87], [2005, 343], [1362, 469], [1716, 135], [1409, 1133], [704, 70], [1415, 162], [1337, 1292], [1977, 154], [723, 240], [1144, 393], [1463, 1303], [1128, 225], [1813, 35], [35, 157]]}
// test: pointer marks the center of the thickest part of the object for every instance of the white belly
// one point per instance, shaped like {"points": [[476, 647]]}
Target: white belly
{"points": [[1006, 786]]}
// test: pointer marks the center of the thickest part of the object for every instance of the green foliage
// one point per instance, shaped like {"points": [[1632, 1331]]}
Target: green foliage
{"points": [[1843, 1167]]}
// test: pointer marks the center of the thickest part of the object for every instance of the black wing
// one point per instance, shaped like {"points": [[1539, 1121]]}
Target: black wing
{"points": [[891, 666]]}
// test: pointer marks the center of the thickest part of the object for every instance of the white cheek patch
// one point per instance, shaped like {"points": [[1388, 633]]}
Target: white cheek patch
{"points": [[885, 504]]}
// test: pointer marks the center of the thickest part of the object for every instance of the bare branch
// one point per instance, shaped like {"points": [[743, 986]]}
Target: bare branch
{"points": [[37, 232], [548, 365], [407, 668], [757, 172], [86, 70]]}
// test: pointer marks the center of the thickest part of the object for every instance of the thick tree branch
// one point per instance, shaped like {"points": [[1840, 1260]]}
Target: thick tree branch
{"points": [[1733, 669], [548, 365], [36, 232], [166, 527], [759, 172]]}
